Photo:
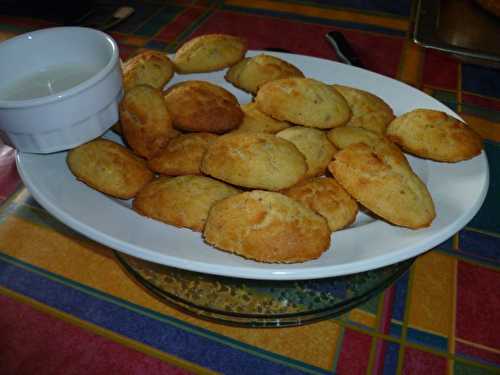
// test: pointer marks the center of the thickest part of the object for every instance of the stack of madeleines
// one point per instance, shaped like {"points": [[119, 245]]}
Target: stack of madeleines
{"points": [[272, 179]]}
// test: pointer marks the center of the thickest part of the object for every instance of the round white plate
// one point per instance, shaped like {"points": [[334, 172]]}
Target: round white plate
{"points": [[458, 191]]}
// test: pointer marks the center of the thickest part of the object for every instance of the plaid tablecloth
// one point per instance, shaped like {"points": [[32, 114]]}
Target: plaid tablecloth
{"points": [[68, 307]]}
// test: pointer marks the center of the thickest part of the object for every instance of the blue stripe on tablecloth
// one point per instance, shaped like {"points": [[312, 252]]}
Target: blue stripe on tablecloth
{"points": [[481, 245], [473, 259], [170, 335], [400, 290], [316, 20], [481, 80], [488, 218], [477, 359], [395, 329], [390, 358], [446, 245], [427, 339]]}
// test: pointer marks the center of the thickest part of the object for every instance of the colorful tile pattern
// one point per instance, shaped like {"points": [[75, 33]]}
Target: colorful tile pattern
{"points": [[68, 307]]}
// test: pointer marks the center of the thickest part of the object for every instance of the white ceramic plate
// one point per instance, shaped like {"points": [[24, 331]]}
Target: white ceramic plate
{"points": [[458, 191]]}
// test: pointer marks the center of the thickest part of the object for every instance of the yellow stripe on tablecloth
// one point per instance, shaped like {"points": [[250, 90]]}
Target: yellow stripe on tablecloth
{"points": [[411, 64], [4, 35], [485, 128], [93, 265], [363, 317], [98, 330], [431, 301], [129, 39], [428, 90], [328, 13]]}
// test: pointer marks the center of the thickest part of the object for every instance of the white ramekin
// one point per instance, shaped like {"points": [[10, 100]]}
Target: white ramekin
{"points": [[71, 117]]}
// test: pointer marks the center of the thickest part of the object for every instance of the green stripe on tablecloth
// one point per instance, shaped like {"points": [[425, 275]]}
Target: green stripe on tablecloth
{"points": [[488, 114]]}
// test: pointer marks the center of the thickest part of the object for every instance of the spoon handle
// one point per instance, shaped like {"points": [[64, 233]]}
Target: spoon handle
{"points": [[343, 49]]}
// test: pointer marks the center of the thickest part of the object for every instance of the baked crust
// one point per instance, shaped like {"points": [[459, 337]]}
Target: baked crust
{"points": [[267, 227], [254, 160], [145, 122], [147, 68], [252, 72], [182, 201], [208, 53], [384, 183], [368, 110], [326, 197], [256, 121], [303, 101], [314, 145], [182, 155], [109, 168], [434, 135], [201, 106]]}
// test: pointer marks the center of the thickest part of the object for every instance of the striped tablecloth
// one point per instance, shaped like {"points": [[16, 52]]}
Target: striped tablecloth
{"points": [[68, 307]]}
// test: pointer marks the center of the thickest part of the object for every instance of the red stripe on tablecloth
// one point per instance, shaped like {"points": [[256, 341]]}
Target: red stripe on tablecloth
{"points": [[34, 343], [440, 70], [179, 24], [481, 101], [419, 362], [385, 323], [9, 179], [355, 353], [26, 22], [478, 305]]}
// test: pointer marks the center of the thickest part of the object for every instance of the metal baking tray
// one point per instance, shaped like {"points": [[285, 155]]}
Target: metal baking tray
{"points": [[458, 27]]}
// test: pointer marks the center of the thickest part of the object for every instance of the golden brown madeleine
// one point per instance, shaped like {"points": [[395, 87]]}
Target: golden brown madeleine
{"points": [[314, 145], [267, 227], [201, 106], [207, 53], [182, 201], [109, 168], [434, 135], [303, 101], [257, 122], [254, 160], [384, 184], [326, 197], [147, 68], [183, 155], [368, 110], [145, 121], [251, 73], [345, 136]]}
